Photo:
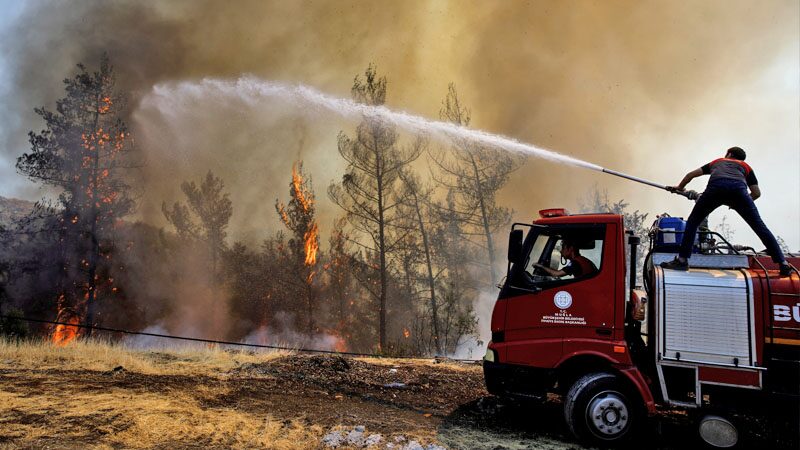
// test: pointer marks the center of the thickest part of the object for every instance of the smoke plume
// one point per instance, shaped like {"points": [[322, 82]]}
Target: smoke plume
{"points": [[611, 83]]}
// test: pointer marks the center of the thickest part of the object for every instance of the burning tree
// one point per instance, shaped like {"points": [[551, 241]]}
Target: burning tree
{"points": [[474, 174], [298, 217], [368, 191], [83, 152], [352, 288]]}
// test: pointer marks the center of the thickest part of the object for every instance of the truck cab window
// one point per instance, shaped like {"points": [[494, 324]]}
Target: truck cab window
{"points": [[558, 255]]}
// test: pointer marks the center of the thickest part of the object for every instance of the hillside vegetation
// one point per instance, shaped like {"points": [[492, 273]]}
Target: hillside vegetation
{"points": [[12, 209]]}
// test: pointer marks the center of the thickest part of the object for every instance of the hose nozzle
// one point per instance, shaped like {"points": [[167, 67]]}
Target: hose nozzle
{"points": [[691, 195]]}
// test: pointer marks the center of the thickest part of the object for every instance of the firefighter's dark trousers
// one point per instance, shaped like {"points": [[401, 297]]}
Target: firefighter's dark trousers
{"points": [[731, 193]]}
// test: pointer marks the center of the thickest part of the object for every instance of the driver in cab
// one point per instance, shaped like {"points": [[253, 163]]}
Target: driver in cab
{"points": [[577, 266]]}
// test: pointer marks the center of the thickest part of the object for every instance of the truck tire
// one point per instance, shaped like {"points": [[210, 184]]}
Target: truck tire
{"points": [[599, 410]]}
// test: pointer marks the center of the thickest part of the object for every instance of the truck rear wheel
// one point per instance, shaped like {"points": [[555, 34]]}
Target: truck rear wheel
{"points": [[598, 409]]}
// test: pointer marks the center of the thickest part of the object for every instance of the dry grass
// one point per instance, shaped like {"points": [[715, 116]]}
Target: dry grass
{"points": [[184, 397], [53, 414], [114, 419], [98, 355]]}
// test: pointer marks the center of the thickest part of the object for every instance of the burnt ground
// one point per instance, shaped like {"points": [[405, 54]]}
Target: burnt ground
{"points": [[441, 403]]}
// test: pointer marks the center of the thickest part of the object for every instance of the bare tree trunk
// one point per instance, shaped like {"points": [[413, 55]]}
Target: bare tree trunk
{"points": [[92, 286], [94, 252], [61, 283], [216, 316], [485, 219], [311, 299], [431, 281], [382, 253], [342, 306]]}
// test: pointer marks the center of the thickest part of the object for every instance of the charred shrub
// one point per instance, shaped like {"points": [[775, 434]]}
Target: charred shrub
{"points": [[12, 325]]}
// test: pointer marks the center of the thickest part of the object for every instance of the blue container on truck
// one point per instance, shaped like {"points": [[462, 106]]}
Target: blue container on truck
{"points": [[670, 234]]}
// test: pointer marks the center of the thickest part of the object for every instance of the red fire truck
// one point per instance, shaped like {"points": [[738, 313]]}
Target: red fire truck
{"points": [[721, 336]]}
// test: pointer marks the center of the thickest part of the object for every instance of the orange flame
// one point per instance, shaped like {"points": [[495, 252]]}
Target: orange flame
{"points": [[305, 200], [105, 106], [406, 333], [339, 344], [311, 236], [297, 184], [64, 334], [312, 244]]}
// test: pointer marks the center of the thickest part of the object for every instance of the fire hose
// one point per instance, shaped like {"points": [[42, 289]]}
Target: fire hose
{"points": [[691, 195]]}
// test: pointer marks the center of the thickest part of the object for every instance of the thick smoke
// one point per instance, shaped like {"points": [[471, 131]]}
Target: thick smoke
{"points": [[649, 88], [618, 84], [606, 70]]}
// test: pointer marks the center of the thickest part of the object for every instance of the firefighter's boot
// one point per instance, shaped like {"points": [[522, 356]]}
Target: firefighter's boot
{"points": [[676, 264]]}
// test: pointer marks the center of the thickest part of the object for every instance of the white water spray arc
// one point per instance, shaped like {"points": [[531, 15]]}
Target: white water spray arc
{"points": [[167, 98]]}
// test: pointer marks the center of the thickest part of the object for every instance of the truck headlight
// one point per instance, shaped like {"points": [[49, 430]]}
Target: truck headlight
{"points": [[490, 355]]}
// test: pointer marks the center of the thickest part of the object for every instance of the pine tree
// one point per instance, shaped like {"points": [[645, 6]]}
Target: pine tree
{"points": [[204, 219], [474, 175], [298, 217], [421, 214], [368, 191], [83, 152]]}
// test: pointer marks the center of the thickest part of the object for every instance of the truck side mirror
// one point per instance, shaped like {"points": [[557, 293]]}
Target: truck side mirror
{"points": [[515, 246]]}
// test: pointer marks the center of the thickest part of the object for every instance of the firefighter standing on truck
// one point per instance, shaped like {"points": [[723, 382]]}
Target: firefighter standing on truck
{"points": [[730, 179]]}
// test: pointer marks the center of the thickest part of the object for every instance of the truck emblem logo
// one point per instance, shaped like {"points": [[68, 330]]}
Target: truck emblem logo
{"points": [[562, 300]]}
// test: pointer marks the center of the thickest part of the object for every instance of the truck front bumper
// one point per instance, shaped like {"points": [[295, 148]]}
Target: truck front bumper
{"points": [[503, 379]]}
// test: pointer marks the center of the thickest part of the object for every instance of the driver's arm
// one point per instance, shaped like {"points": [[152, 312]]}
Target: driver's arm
{"points": [[551, 272]]}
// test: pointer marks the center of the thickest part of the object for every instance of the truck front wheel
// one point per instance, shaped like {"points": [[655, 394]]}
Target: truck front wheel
{"points": [[599, 410]]}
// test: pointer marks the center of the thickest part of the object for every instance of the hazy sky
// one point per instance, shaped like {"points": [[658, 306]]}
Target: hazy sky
{"points": [[654, 89]]}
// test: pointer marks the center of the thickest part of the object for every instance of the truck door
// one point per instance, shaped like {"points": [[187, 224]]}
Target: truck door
{"points": [[544, 311]]}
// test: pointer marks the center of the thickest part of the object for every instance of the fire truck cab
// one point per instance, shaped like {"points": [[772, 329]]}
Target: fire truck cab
{"points": [[709, 336]]}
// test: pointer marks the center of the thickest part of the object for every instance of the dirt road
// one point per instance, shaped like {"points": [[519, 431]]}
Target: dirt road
{"points": [[433, 403]]}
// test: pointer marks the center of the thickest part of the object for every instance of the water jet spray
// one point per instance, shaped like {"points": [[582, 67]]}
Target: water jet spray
{"points": [[169, 98]]}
